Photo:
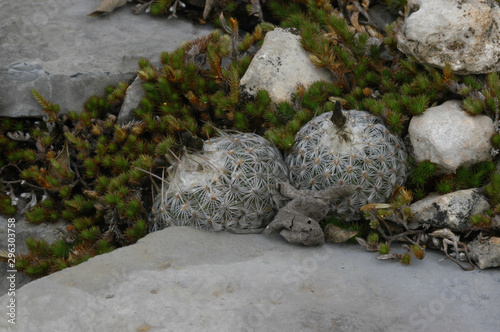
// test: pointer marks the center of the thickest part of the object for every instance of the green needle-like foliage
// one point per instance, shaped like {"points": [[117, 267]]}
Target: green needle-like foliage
{"points": [[99, 175]]}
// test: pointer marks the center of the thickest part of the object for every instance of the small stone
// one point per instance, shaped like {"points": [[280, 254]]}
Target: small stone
{"points": [[298, 220], [451, 211], [450, 137], [280, 65], [381, 16], [296, 228], [461, 33], [133, 96], [485, 252]]}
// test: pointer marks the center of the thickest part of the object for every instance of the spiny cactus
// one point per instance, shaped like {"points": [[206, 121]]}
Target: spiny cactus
{"points": [[226, 186], [358, 150]]}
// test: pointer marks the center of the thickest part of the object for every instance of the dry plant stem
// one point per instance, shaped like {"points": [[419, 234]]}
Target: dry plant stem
{"points": [[142, 7], [457, 250], [449, 238], [25, 183], [403, 235], [80, 179]]}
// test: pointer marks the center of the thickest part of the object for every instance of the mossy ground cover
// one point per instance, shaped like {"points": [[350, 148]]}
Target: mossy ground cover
{"points": [[101, 177]]}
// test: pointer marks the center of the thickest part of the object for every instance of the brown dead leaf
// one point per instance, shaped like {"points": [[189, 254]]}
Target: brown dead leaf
{"points": [[4, 255], [366, 245], [63, 159], [354, 21], [144, 328], [337, 235], [107, 6], [373, 32], [343, 102], [375, 206], [366, 4]]}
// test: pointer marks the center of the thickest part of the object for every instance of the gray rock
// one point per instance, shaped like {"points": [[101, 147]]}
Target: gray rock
{"points": [[181, 279], [381, 16], [56, 49], [280, 65], [451, 211], [23, 230], [298, 220], [485, 252], [450, 137], [296, 228], [462, 33], [133, 96]]}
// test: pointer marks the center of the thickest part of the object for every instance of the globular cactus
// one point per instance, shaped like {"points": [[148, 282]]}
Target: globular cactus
{"points": [[228, 185], [348, 147]]}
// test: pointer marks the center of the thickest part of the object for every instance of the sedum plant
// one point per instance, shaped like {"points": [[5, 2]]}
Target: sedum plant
{"points": [[228, 185], [348, 147]]}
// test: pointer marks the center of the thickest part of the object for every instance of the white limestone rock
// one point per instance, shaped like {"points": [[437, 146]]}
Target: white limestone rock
{"points": [[485, 252], [450, 137], [463, 33], [280, 65], [451, 211]]}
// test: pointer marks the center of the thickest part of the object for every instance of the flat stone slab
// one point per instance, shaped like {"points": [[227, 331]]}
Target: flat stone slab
{"points": [[53, 47], [182, 279]]}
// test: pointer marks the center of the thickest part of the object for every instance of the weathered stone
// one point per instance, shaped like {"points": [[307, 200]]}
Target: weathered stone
{"points": [[133, 96], [450, 137], [182, 279], [24, 230], [280, 65], [298, 220], [451, 211], [55, 48], [485, 252], [463, 33], [296, 228]]}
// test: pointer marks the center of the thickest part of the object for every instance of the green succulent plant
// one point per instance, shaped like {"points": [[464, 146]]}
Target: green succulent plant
{"points": [[85, 168]]}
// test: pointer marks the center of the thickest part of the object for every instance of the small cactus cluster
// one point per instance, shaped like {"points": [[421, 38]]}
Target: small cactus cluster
{"points": [[359, 152], [228, 185]]}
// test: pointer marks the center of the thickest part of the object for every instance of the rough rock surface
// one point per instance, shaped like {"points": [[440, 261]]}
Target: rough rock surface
{"points": [[133, 96], [182, 279], [55, 48], [24, 230], [297, 228], [449, 211], [381, 16], [298, 220], [450, 137], [485, 252], [465, 34], [280, 65]]}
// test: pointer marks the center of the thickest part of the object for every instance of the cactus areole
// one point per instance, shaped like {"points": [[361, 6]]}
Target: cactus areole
{"points": [[361, 151], [228, 185]]}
